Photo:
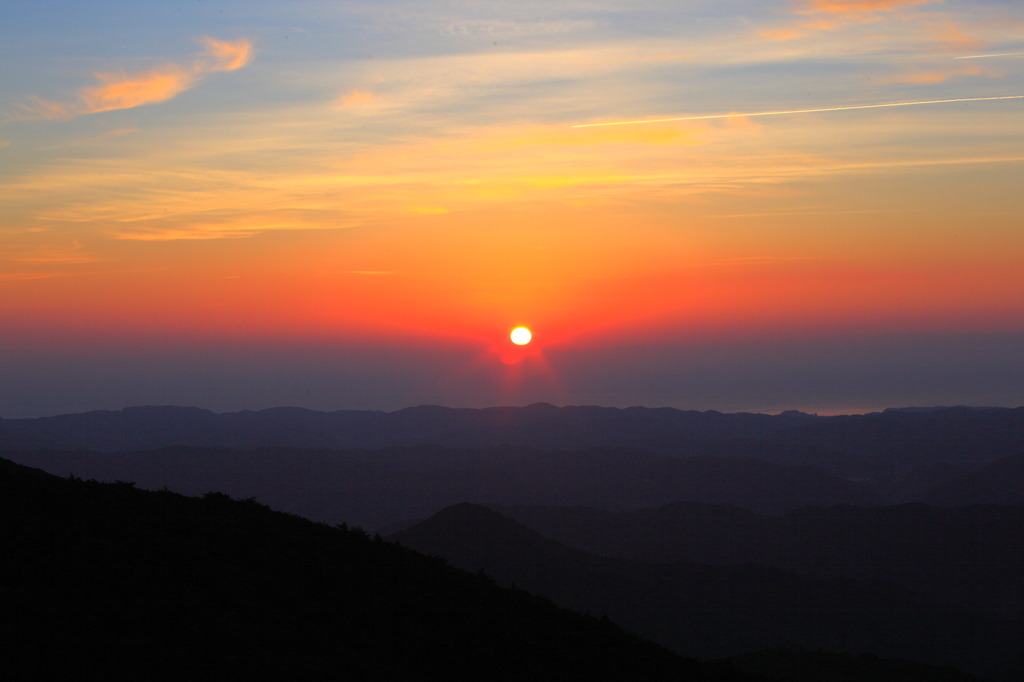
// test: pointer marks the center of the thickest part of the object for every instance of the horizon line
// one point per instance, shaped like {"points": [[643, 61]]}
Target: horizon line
{"points": [[820, 412]]}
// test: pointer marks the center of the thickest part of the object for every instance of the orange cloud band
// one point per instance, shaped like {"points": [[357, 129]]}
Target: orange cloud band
{"points": [[863, 6], [124, 91]]}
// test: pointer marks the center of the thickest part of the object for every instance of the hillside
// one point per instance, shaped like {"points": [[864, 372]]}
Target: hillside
{"points": [[129, 584]]}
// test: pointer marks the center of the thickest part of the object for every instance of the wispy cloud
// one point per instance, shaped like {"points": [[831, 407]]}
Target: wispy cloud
{"points": [[831, 15], [30, 254], [861, 6], [491, 28], [172, 193], [953, 37], [353, 98], [22, 276], [803, 111], [989, 56], [118, 132], [125, 91], [122, 90], [754, 260], [928, 77], [230, 56]]}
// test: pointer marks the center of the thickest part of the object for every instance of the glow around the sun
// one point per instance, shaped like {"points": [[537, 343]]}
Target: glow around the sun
{"points": [[521, 336]]}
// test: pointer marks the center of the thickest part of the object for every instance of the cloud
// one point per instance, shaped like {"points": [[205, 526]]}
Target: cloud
{"points": [[118, 132], [124, 91], [230, 56], [782, 33], [954, 38], [22, 276], [929, 77], [831, 15], [74, 253], [354, 98], [129, 90], [988, 56], [5, 143], [861, 6]]}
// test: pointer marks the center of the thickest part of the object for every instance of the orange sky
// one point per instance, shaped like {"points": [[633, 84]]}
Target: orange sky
{"points": [[369, 174]]}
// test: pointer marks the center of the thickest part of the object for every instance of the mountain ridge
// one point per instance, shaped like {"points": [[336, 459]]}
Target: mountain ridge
{"points": [[971, 556], [130, 584], [883, 446], [710, 611]]}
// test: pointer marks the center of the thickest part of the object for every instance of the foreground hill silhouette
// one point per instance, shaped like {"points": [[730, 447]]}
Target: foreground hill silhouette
{"points": [[709, 611], [828, 666], [108, 581], [376, 488]]}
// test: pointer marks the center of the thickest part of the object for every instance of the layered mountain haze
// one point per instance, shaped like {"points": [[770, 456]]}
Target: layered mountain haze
{"points": [[375, 488], [539, 425], [1001, 482], [709, 611], [891, 441], [748, 536], [971, 556], [413, 462], [108, 581]]}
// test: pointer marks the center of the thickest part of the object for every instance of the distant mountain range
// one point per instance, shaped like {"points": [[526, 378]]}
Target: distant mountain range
{"points": [[900, 454], [707, 611], [541, 426], [890, 443]]}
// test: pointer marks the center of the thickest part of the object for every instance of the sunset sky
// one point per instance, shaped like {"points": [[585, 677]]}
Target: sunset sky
{"points": [[337, 205]]}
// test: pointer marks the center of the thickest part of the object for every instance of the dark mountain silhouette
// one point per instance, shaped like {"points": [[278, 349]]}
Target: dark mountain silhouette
{"points": [[706, 610], [971, 556], [376, 488], [827, 666], [106, 581], [1001, 482]]}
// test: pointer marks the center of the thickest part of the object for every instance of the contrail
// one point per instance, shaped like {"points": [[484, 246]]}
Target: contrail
{"points": [[795, 111], [983, 56]]}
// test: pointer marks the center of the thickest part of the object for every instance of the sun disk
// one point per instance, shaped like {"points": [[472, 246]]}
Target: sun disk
{"points": [[521, 336]]}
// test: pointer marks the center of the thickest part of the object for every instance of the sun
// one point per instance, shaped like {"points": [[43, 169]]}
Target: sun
{"points": [[521, 336]]}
